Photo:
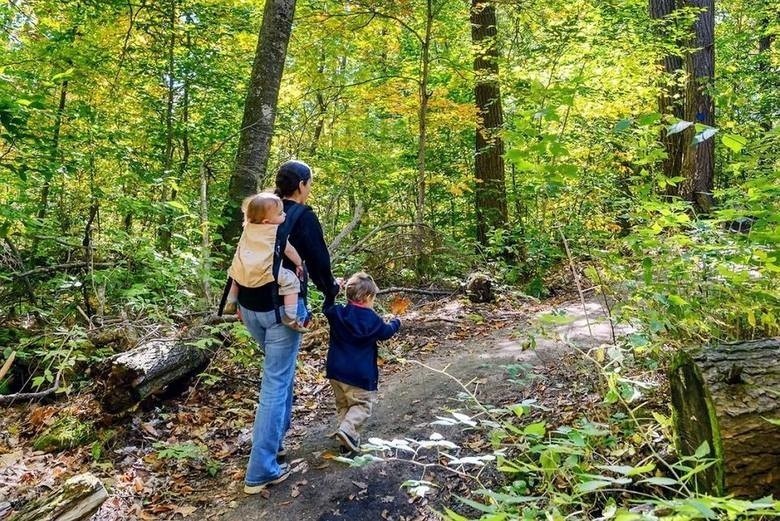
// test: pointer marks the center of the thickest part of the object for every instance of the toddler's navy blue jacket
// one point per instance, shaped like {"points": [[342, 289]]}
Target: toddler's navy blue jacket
{"points": [[354, 332]]}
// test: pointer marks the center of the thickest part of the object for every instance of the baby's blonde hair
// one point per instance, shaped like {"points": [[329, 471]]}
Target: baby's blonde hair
{"points": [[360, 287], [260, 206]]}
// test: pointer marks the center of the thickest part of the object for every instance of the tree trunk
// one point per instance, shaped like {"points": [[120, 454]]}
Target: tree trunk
{"points": [[126, 379], [490, 190], [764, 64], [55, 148], [726, 395], [699, 159], [79, 498], [670, 99], [205, 238], [254, 144], [423, 114], [166, 222]]}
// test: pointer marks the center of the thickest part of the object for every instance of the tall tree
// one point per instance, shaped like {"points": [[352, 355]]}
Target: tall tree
{"points": [[490, 190], [254, 143], [764, 56], [699, 156], [165, 231], [425, 71]]}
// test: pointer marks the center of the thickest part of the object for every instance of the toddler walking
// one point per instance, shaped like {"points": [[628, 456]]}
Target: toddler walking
{"points": [[352, 356], [252, 265]]}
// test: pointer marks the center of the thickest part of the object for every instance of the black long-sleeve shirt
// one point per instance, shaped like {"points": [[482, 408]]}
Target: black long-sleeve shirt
{"points": [[307, 238]]}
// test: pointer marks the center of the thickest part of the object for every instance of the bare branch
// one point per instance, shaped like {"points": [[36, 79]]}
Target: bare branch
{"points": [[347, 229], [10, 398], [62, 267], [432, 292], [373, 232]]}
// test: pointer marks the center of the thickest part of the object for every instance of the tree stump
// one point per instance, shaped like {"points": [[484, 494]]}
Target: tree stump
{"points": [[126, 379], [479, 287], [79, 498], [726, 395]]}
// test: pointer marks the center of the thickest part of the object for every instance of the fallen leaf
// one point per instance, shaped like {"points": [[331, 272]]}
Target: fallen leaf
{"points": [[399, 305], [149, 428], [186, 510]]}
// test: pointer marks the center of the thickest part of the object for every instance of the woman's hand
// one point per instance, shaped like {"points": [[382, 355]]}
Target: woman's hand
{"points": [[299, 271], [238, 314]]}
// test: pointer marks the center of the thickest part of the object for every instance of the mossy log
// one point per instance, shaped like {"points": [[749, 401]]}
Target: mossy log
{"points": [[726, 395], [79, 498], [126, 379]]}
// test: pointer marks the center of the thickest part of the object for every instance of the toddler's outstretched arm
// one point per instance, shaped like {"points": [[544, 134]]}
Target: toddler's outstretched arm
{"points": [[389, 329], [291, 253]]}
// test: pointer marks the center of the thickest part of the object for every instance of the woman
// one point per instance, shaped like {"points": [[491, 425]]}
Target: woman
{"points": [[280, 343]]}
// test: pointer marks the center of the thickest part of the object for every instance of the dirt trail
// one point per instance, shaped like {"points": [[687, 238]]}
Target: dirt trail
{"points": [[324, 490]]}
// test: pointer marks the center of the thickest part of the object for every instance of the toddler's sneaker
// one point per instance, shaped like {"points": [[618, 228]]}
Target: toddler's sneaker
{"points": [[348, 441]]}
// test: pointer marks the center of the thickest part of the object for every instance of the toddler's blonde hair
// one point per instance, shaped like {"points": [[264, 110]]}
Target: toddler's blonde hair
{"points": [[260, 206], [360, 287]]}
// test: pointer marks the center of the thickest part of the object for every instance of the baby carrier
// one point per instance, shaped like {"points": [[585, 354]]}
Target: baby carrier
{"points": [[282, 235]]}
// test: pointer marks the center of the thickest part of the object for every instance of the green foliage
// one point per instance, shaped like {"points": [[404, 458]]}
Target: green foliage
{"points": [[188, 454], [692, 280], [66, 432]]}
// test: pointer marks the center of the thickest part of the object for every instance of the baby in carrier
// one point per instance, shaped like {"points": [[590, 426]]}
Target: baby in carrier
{"points": [[252, 265]]}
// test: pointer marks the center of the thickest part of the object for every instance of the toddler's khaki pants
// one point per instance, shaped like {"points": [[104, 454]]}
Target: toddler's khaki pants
{"points": [[353, 406]]}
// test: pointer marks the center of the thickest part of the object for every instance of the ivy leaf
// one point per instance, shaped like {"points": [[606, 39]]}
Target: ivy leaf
{"points": [[590, 486], [488, 509], [703, 133], [535, 429], [702, 451], [660, 481], [649, 119], [733, 142], [677, 127], [622, 125]]}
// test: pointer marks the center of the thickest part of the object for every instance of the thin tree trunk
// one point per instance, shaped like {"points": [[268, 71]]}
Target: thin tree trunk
{"points": [[764, 57], [166, 223], [670, 99], [490, 190], [315, 140], [423, 114], [699, 159], [205, 244], [55, 147], [259, 111]]}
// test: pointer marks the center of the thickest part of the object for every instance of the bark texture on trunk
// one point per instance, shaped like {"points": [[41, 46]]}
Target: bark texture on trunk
{"points": [[490, 190], [126, 379], [79, 498], [699, 159], [257, 127], [424, 97], [724, 395]]}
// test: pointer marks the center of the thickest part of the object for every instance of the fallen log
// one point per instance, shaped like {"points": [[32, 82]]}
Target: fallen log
{"points": [[78, 498], [127, 378], [729, 396]]}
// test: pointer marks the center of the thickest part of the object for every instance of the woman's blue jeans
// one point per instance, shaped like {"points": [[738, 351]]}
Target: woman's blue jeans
{"points": [[280, 345]]}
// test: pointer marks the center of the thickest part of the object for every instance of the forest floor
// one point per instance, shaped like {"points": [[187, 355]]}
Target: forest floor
{"points": [[184, 456]]}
